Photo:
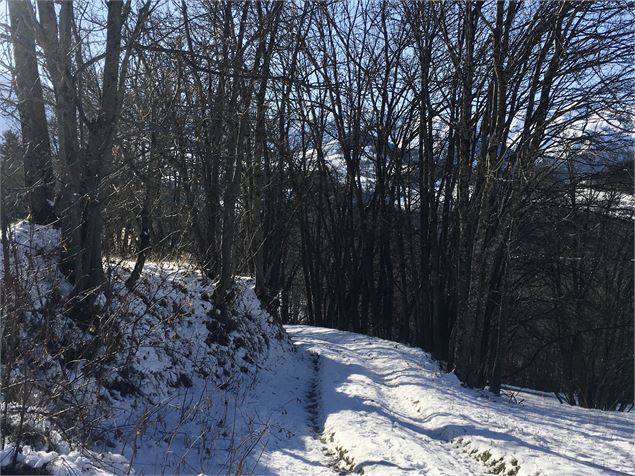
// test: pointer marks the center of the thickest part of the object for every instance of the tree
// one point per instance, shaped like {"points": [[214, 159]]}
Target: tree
{"points": [[87, 165]]}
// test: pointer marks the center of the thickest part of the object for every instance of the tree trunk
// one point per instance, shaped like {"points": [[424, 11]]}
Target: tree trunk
{"points": [[58, 52], [98, 164], [38, 167]]}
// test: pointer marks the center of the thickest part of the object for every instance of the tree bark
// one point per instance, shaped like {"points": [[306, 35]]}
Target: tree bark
{"points": [[38, 166]]}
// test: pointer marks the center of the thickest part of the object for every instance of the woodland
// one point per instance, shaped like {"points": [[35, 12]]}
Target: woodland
{"points": [[456, 176]]}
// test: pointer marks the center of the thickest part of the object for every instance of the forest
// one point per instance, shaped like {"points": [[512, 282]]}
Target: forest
{"points": [[456, 176]]}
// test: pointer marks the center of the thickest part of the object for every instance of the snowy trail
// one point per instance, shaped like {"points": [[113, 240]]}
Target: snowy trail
{"points": [[285, 398], [385, 408], [367, 424]]}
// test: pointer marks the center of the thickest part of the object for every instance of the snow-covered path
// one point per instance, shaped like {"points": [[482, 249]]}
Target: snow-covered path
{"points": [[369, 423], [385, 408]]}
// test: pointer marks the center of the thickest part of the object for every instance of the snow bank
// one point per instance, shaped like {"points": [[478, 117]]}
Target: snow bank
{"points": [[154, 381]]}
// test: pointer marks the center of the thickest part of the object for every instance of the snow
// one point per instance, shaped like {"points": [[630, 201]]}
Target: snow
{"points": [[278, 400], [186, 393], [259, 426], [85, 463], [388, 409], [168, 396]]}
